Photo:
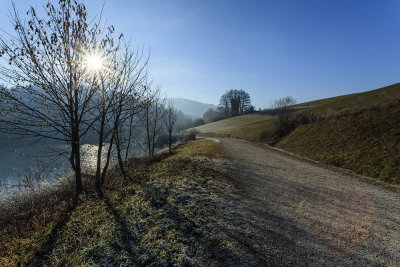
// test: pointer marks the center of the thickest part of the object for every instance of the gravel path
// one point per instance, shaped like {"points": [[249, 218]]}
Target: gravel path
{"points": [[288, 211]]}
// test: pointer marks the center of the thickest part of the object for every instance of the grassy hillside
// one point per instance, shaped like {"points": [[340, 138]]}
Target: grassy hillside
{"points": [[259, 128], [161, 218], [354, 101], [366, 141], [359, 132], [227, 125]]}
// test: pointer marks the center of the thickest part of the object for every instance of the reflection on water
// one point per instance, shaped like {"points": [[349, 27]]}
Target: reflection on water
{"points": [[89, 158], [17, 161]]}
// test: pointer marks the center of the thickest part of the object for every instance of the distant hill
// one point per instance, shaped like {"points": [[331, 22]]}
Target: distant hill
{"points": [[190, 107]]}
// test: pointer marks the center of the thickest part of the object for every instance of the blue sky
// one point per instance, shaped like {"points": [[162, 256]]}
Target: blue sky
{"points": [[308, 49]]}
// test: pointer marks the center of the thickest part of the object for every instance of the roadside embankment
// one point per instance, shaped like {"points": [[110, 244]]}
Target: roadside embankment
{"points": [[365, 141]]}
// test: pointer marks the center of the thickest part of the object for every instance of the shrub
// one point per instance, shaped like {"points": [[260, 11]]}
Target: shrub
{"points": [[285, 127], [188, 135]]}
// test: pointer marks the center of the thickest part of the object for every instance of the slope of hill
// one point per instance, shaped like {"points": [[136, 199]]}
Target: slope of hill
{"points": [[360, 132], [226, 126], [365, 141], [190, 107], [260, 131], [352, 101]]}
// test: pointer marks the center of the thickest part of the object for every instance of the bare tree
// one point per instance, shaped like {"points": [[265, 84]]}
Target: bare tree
{"points": [[130, 129], [51, 89], [170, 120], [131, 101], [224, 106], [152, 118], [282, 108], [119, 87], [212, 115], [234, 103], [70, 77]]}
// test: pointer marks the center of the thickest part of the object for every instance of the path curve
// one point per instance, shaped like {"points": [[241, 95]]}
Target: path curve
{"points": [[300, 213]]}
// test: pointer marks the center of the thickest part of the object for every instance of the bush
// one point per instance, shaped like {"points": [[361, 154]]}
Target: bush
{"points": [[164, 140], [198, 122], [285, 127], [305, 117], [188, 135]]}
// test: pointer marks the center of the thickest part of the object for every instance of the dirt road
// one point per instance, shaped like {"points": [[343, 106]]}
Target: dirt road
{"points": [[288, 211]]}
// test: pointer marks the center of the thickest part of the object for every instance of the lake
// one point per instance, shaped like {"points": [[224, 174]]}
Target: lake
{"points": [[18, 160]]}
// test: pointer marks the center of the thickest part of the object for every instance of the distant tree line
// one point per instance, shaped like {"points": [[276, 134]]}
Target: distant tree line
{"points": [[232, 103], [237, 102]]}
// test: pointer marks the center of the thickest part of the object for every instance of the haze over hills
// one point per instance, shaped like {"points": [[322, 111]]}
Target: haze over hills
{"points": [[191, 108]]}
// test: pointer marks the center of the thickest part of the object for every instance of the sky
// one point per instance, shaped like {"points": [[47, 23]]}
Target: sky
{"points": [[307, 49]]}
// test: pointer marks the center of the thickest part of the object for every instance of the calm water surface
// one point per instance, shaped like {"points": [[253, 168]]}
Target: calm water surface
{"points": [[17, 161]]}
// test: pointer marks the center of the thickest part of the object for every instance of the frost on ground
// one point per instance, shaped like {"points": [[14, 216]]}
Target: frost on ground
{"points": [[217, 204]]}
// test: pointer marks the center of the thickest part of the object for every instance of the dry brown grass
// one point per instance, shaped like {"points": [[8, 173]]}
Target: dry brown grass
{"points": [[25, 220], [158, 218], [232, 123], [201, 148], [365, 141], [359, 132], [260, 128]]}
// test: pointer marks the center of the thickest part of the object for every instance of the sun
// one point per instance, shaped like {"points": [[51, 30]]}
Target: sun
{"points": [[94, 62]]}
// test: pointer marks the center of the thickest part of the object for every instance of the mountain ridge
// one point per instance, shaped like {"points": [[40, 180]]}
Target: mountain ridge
{"points": [[190, 107]]}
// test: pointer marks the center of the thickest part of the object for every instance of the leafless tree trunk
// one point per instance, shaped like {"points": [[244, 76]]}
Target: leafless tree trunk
{"points": [[282, 108], [170, 120], [152, 117], [51, 92], [121, 89], [57, 95], [131, 98]]}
